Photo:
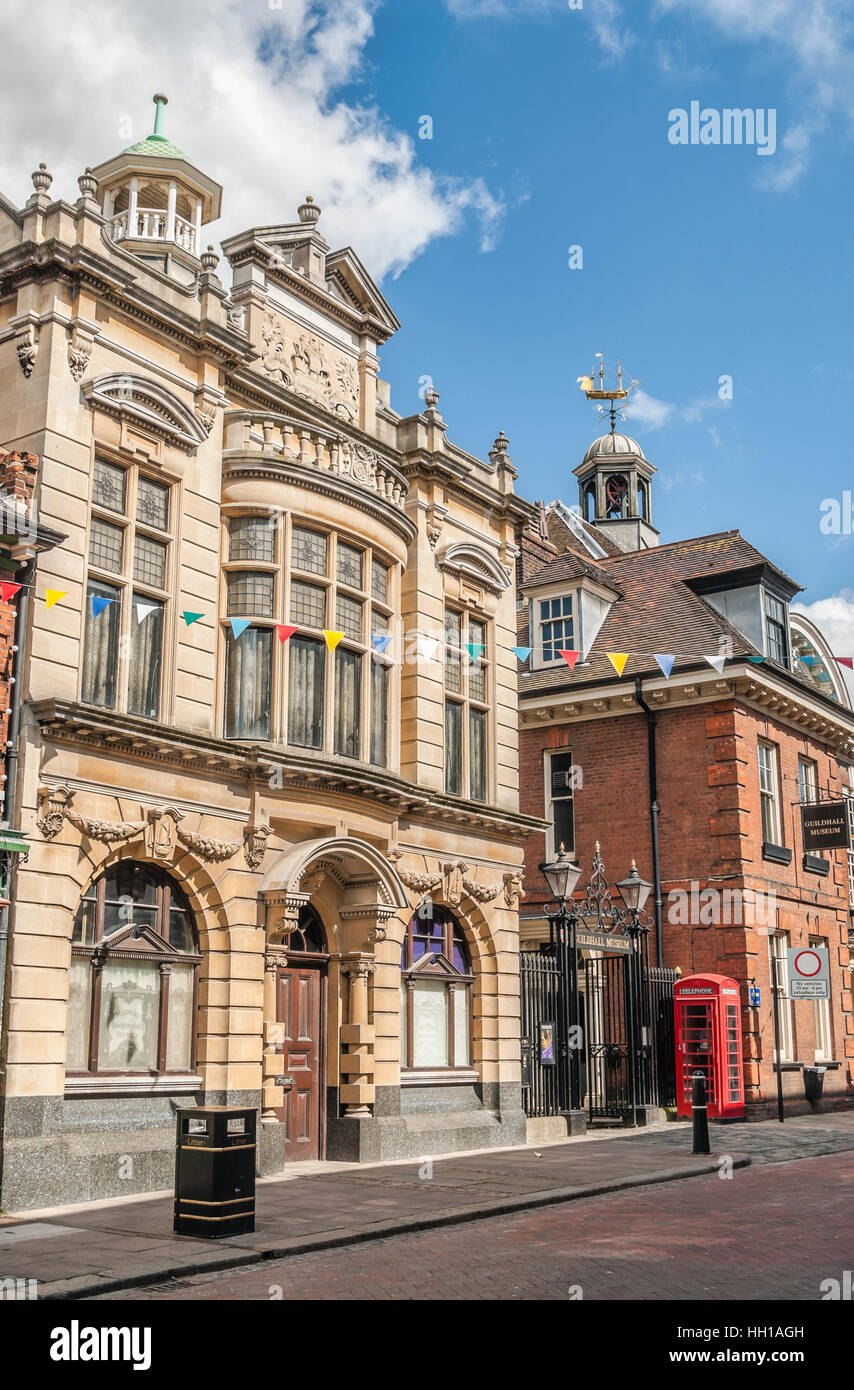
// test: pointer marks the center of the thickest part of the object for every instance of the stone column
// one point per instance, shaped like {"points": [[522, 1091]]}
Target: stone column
{"points": [[357, 1093], [133, 198], [171, 199]]}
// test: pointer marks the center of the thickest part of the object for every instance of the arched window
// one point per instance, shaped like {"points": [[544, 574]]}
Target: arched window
{"points": [[590, 502], [435, 992], [134, 974], [308, 937]]}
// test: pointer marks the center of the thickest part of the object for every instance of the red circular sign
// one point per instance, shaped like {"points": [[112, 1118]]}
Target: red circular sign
{"points": [[811, 963]]}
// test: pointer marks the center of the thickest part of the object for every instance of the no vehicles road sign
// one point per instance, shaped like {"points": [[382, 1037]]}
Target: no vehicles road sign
{"points": [[809, 972]]}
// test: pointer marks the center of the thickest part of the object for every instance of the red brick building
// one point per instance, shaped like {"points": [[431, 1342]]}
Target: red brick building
{"points": [[714, 759]]}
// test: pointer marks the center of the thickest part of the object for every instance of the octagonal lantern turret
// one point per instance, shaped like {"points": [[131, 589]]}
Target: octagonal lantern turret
{"points": [[615, 491], [156, 202]]}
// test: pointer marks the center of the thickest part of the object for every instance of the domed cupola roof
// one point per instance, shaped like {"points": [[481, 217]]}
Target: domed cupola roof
{"points": [[613, 445]]}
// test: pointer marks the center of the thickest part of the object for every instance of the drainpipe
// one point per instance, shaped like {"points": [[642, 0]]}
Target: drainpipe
{"points": [[653, 816], [10, 760]]}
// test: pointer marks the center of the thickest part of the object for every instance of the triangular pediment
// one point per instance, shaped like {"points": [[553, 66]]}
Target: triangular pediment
{"points": [[434, 963]]}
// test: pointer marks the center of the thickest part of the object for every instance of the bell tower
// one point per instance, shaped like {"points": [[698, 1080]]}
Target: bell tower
{"points": [[614, 477]]}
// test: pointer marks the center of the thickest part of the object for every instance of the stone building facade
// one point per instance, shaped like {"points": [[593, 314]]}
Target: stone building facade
{"points": [[735, 748], [274, 859]]}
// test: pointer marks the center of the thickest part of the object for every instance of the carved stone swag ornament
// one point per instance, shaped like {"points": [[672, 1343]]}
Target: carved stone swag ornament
{"points": [[161, 829]]}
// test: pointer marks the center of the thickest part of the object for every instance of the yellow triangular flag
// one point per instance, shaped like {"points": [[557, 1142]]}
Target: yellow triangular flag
{"points": [[618, 661], [332, 639], [53, 596]]}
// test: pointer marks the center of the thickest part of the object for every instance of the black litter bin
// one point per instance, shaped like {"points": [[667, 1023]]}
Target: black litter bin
{"points": [[215, 1172], [814, 1082]]}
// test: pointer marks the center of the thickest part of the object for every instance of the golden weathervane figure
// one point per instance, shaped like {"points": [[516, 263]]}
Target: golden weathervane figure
{"points": [[603, 389]]}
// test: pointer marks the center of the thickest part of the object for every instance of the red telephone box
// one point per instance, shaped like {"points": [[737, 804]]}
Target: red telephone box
{"points": [[708, 1039]]}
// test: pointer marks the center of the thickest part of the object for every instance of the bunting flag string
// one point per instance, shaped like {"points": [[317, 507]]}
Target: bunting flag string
{"points": [[332, 639], [239, 625], [143, 610], [53, 596], [618, 660], [521, 653], [665, 661], [427, 647], [380, 641], [284, 631], [845, 661], [99, 604], [717, 663], [8, 589], [190, 618], [570, 658]]}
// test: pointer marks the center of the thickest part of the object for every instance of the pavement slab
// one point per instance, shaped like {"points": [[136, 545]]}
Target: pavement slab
{"points": [[102, 1248]]}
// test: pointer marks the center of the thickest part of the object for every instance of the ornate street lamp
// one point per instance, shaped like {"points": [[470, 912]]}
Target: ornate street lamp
{"points": [[561, 874], [634, 890]]}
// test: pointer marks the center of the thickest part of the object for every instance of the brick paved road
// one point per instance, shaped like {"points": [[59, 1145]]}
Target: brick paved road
{"points": [[771, 1232]]}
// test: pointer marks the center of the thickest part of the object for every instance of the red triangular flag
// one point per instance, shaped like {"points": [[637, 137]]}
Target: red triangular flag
{"points": [[570, 658], [7, 589], [284, 631], [845, 661]]}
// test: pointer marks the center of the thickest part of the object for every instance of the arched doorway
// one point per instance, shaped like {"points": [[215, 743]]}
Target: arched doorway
{"points": [[301, 1011]]}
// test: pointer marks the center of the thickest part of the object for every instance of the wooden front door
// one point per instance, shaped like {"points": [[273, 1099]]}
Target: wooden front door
{"points": [[300, 1009]]}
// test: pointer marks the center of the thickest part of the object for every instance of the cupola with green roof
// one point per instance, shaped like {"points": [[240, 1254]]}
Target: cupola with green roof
{"points": [[156, 201]]}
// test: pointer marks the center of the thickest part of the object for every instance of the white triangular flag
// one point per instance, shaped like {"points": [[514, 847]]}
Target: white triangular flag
{"points": [[717, 662], [143, 610], [428, 647]]}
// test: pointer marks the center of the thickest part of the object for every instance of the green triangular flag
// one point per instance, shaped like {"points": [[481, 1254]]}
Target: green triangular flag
{"points": [[191, 617]]}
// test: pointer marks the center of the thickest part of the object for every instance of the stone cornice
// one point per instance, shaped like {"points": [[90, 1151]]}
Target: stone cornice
{"points": [[118, 284], [137, 740], [761, 687]]}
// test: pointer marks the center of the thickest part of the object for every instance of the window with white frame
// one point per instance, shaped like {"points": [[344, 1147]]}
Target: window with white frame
{"points": [[466, 705], [127, 590], [778, 945], [556, 627], [807, 781], [823, 1024], [560, 786], [769, 794], [281, 570]]}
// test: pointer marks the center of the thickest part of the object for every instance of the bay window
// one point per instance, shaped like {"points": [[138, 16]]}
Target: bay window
{"points": [[436, 985], [128, 578], [334, 701], [133, 978]]}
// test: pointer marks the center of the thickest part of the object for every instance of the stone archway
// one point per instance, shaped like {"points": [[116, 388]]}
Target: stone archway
{"points": [[362, 890]]}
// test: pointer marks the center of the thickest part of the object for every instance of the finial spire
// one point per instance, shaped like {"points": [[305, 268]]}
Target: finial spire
{"points": [[159, 101]]}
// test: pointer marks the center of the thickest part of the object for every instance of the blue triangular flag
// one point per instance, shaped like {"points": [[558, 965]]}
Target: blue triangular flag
{"points": [[757, 660], [239, 625], [807, 660], [522, 652], [665, 661], [380, 642], [474, 649], [99, 604]]}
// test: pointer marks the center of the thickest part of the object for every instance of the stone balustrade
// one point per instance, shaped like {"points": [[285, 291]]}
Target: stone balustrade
{"points": [[152, 224], [276, 435]]}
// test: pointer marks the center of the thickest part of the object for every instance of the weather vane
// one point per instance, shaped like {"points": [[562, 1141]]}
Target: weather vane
{"points": [[607, 389]]}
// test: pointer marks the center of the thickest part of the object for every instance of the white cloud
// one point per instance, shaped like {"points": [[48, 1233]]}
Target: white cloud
{"points": [[253, 101], [604, 16], [816, 37], [647, 411]]}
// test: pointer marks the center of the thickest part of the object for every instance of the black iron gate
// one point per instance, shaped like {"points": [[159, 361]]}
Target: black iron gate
{"points": [[622, 1012]]}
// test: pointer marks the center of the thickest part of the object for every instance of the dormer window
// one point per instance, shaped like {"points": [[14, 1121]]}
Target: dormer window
{"points": [[776, 638], [556, 627]]}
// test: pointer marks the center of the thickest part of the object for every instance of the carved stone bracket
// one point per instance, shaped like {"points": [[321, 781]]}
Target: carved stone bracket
{"points": [[255, 844], [419, 883], [27, 348], [435, 522], [80, 345], [513, 890], [53, 805]]}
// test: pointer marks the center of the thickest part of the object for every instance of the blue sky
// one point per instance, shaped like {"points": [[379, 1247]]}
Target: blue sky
{"points": [[550, 130]]}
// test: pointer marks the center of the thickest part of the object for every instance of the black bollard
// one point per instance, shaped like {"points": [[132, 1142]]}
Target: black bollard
{"points": [[699, 1109]]}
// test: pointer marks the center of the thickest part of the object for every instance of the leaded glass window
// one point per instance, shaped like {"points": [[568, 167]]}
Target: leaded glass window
{"points": [[308, 604], [250, 594], [348, 566], [436, 981], [308, 551], [133, 976], [251, 538]]}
